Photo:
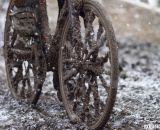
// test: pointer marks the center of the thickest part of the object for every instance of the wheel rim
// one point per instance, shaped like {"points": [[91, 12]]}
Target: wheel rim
{"points": [[86, 70]]}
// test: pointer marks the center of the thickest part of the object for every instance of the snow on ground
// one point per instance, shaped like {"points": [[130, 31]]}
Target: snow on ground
{"points": [[138, 98], [3, 6]]}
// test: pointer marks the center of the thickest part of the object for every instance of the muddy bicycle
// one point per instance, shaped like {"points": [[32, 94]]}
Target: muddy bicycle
{"points": [[82, 55]]}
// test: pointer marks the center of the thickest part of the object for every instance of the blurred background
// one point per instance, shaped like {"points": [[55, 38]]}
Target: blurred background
{"points": [[139, 19]]}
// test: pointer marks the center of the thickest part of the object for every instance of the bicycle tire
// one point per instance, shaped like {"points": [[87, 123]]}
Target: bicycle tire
{"points": [[70, 65], [25, 73]]}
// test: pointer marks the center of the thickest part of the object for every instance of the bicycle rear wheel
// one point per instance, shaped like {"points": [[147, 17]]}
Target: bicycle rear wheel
{"points": [[25, 62], [88, 66]]}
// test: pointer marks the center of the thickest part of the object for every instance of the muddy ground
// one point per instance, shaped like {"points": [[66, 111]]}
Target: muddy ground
{"points": [[138, 98]]}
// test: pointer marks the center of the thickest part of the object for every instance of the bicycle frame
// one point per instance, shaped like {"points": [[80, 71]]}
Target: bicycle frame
{"points": [[66, 12]]}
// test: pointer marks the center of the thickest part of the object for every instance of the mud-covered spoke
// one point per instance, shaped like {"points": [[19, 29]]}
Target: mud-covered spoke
{"points": [[96, 97], [21, 78], [79, 92], [90, 101], [76, 38], [28, 81], [70, 88], [13, 39], [102, 40], [68, 50], [92, 50], [27, 88], [73, 90], [17, 76], [104, 83], [100, 30], [89, 31], [69, 74], [86, 101], [82, 103]]}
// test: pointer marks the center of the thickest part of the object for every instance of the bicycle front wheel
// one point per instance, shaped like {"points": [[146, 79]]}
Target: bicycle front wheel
{"points": [[88, 66]]}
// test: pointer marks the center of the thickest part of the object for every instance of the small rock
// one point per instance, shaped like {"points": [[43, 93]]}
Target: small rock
{"points": [[122, 86], [123, 75]]}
